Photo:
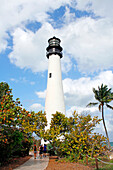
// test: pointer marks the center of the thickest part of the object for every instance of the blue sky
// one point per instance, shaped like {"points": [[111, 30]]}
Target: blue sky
{"points": [[86, 32]]}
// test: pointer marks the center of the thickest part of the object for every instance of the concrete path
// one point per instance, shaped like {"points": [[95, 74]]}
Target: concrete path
{"points": [[34, 164]]}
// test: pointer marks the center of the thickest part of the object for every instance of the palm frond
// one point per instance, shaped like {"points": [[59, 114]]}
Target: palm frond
{"points": [[111, 107], [91, 104], [96, 92], [99, 107], [111, 96]]}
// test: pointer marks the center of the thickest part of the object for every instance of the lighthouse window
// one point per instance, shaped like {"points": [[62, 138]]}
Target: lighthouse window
{"points": [[50, 75]]}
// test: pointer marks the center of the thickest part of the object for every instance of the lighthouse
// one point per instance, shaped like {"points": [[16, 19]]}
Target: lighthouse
{"points": [[54, 96]]}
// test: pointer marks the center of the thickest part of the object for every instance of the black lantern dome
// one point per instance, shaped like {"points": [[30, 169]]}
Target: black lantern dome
{"points": [[54, 47]]}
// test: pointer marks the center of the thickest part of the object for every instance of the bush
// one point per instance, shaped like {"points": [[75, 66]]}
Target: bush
{"points": [[17, 144]]}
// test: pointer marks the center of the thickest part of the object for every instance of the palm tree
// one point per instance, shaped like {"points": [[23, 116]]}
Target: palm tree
{"points": [[103, 95]]}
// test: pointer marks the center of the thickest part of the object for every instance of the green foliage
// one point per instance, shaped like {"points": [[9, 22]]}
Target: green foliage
{"points": [[68, 137], [104, 96], [73, 157], [33, 122], [73, 137], [17, 125], [4, 89], [14, 143], [57, 130]]}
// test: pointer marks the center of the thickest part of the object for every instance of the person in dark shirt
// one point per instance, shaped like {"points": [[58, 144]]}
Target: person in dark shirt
{"points": [[41, 151], [45, 150]]}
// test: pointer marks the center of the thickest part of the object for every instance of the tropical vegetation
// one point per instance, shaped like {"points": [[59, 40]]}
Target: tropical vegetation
{"points": [[104, 96], [17, 125], [73, 137]]}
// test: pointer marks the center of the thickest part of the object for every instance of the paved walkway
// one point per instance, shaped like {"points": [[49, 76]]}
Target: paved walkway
{"points": [[34, 164]]}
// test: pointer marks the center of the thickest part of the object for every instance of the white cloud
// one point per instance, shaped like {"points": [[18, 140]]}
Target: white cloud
{"points": [[22, 80], [109, 125], [3, 39], [68, 16], [66, 63], [83, 110], [14, 80], [86, 40], [89, 42], [15, 14], [41, 94], [36, 107], [79, 92], [101, 8], [28, 49], [108, 114]]}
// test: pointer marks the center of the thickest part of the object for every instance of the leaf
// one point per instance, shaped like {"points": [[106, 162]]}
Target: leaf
{"points": [[109, 106], [91, 104]]}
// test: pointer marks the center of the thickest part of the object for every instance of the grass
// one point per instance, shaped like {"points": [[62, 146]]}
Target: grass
{"points": [[102, 166], [91, 162]]}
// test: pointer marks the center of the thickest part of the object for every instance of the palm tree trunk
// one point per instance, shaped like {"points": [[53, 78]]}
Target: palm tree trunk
{"points": [[109, 146]]}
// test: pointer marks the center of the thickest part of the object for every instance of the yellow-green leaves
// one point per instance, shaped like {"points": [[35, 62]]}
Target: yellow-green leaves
{"points": [[74, 135]]}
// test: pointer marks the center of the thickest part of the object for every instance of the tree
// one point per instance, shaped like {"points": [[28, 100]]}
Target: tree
{"points": [[17, 124], [4, 88], [104, 96], [74, 136], [81, 139], [13, 115], [33, 122], [14, 142], [55, 134]]}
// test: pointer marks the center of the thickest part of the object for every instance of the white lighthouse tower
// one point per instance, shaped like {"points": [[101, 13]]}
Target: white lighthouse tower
{"points": [[54, 96]]}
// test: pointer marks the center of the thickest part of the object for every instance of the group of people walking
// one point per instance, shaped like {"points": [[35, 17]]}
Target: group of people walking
{"points": [[41, 151]]}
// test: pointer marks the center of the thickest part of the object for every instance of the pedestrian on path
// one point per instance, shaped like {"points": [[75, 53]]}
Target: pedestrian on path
{"points": [[45, 150], [35, 151], [40, 151]]}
